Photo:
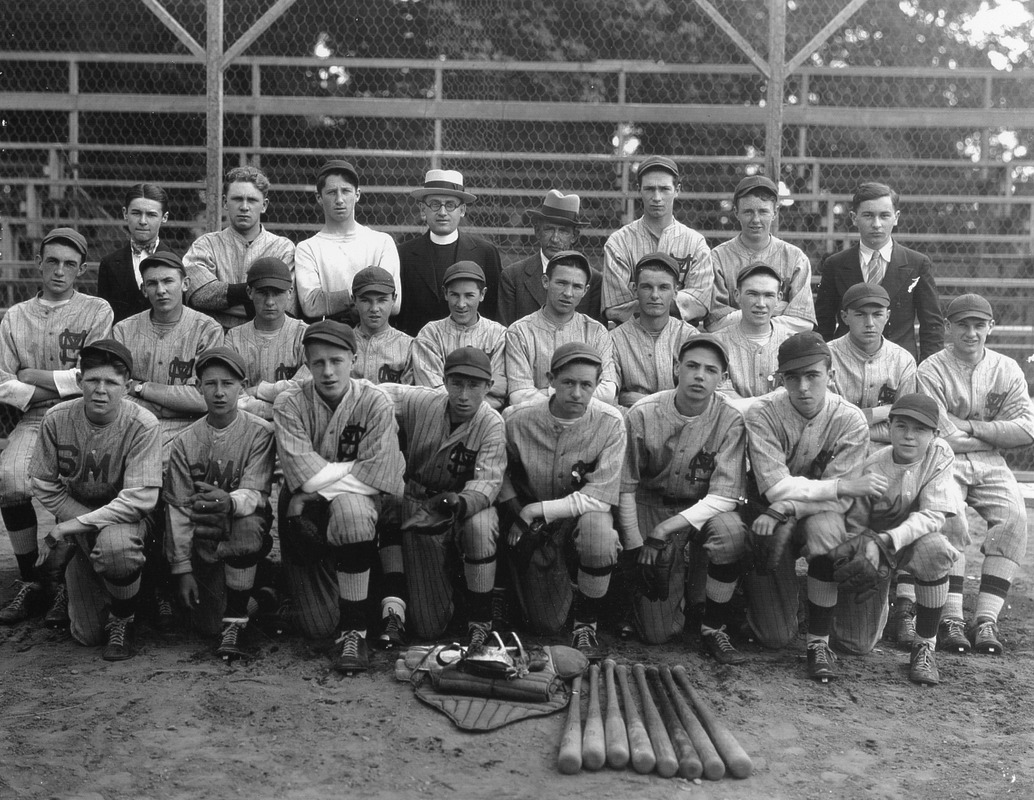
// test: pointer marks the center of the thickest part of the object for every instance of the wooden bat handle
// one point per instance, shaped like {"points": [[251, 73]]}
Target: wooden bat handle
{"points": [[714, 767], [667, 762], [616, 735], [569, 758], [730, 749], [643, 758], [689, 763], [594, 753]]}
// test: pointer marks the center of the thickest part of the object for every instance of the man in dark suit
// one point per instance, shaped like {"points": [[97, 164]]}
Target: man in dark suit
{"points": [[424, 259], [118, 277], [905, 274], [556, 224]]}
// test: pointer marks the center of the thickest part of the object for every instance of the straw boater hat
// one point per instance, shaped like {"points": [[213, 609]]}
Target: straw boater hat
{"points": [[443, 181], [559, 208]]}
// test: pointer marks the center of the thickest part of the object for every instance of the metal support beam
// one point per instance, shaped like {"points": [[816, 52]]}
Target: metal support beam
{"points": [[255, 31], [776, 83], [214, 113], [178, 30]]}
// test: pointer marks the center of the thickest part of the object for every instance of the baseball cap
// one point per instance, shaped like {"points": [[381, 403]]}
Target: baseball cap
{"points": [[800, 350], [464, 270], [68, 236], [221, 355], [269, 271], [920, 407], [330, 332], [574, 351], [110, 347], [571, 255], [339, 165], [373, 279], [469, 361], [865, 294], [753, 182], [969, 305], [705, 340], [657, 162], [163, 258], [664, 260], [756, 269]]}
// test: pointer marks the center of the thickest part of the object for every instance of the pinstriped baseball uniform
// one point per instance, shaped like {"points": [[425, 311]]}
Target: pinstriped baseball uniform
{"points": [[671, 462], [789, 262], [167, 356], [645, 363], [627, 245], [385, 357], [79, 470], [752, 365], [274, 361], [439, 338], [532, 340], [36, 335], [871, 380]]}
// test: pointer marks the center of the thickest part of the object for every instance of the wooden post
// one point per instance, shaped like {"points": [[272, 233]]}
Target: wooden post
{"points": [[214, 111], [776, 83]]}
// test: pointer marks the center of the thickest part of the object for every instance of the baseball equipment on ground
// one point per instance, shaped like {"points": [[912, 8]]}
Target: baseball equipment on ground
{"points": [[569, 759], [667, 762], [616, 735], [689, 762], [594, 754], [429, 522], [643, 758], [653, 579], [732, 753], [854, 571], [494, 659], [712, 764], [769, 550]]}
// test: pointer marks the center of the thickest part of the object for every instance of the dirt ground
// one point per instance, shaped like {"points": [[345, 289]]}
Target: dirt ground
{"points": [[174, 722]]}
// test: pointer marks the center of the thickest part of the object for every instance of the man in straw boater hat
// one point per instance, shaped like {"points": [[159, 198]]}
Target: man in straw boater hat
{"points": [[556, 222], [443, 203]]}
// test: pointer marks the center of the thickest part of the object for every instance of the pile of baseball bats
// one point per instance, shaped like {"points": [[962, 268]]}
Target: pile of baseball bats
{"points": [[672, 735]]}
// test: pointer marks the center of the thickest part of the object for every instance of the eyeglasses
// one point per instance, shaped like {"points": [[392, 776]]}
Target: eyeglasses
{"points": [[438, 205]]}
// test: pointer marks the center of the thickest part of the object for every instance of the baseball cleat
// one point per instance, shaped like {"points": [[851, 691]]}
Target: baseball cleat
{"points": [[354, 656], [26, 601], [479, 633], [922, 668], [500, 610], [901, 627], [120, 635], [985, 637], [231, 644], [717, 644], [165, 616], [820, 661], [393, 636], [57, 614], [951, 636], [585, 641]]}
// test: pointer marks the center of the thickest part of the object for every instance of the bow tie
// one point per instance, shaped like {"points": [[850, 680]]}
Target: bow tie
{"points": [[146, 248]]}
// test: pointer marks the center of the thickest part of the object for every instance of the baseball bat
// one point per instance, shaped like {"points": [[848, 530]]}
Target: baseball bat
{"points": [[728, 747], [667, 762], [714, 767], [569, 759], [643, 759], [594, 753], [689, 763], [616, 736]]}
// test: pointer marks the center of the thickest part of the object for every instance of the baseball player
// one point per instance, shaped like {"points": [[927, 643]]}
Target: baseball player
{"points": [[684, 468], [338, 444], [384, 354], [988, 410], [532, 340], [216, 491], [217, 263], [455, 456], [40, 340], [805, 446], [97, 469], [271, 343], [753, 341], [645, 345], [464, 289], [657, 231], [755, 202], [565, 454]]}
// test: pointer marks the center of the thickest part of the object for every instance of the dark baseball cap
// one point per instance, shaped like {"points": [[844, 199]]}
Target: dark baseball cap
{"points": [[469, 361], [657, 162], [572, 255], [373, 279], [330, 332], [109, 347], [574, 351], [802, 349], [163, 258], [336, 167], [865, 294], [221, 355], [752, 182], [755, 269], [270, 271], [920, 407], [705, 340], [69, 236], [969, 305], [665, 261], [464, 270]]}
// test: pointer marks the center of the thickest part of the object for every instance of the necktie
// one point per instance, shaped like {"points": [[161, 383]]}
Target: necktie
{"points": [[147, 248], [874, 270]]}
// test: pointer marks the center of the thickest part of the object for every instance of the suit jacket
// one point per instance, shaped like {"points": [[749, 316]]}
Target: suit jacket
{"points": [[422, 300], [521, 291], [913, 296], [116, 282]]}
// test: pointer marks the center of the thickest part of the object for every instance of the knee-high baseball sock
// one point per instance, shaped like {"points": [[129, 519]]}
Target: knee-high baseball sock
{"points": [[720, 587], [906, 589], [956, 577], [930, 599], [995, 581], [822, 598]]}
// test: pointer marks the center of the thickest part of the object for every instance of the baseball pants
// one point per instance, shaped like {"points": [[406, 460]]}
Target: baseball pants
{"points": [[989, 488], [15, 484]]}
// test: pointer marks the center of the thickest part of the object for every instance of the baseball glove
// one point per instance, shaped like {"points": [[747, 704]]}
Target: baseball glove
{"points": [[652, 580], [769, 550], [305, 534], [429, 522], [853, 570], [247, 537], [532, 537]]}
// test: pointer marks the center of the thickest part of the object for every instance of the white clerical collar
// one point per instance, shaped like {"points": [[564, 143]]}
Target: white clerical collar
{"points": [[447, 239], [545, 261]]}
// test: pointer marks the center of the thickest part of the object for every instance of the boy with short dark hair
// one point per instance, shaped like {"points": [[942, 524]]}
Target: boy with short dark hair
{"points": [[383, 353]]}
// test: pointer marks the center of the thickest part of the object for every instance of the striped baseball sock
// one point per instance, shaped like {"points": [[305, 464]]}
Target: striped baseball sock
{"points": [[822, 598], [720, 587], [995, 581], [956, 578], [930, 599], [906, 586]]}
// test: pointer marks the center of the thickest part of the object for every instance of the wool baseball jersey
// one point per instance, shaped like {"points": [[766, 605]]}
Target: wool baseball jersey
{"points": [[36, 335], [673, 459], [627, 245], [274, 361], [550, 458], [439, 338], [360, 430], [644, 362], [752, 365], [789, 262], [871, 380], [384, 357]]}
